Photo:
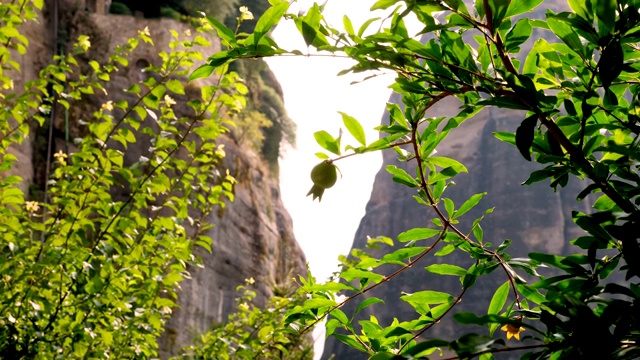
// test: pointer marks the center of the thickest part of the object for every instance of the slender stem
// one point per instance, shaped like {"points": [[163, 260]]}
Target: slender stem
{"points": [[583, 122], [435, 321], [383, 280], [445, 220]]}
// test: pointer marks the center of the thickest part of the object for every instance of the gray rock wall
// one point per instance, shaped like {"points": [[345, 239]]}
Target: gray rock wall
{"points": [[40, 50]]}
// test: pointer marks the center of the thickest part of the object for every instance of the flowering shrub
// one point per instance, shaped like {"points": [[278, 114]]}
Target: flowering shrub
{"points": [[87, 272]]}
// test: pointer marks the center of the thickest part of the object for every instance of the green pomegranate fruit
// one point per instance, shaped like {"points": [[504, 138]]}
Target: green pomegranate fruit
{"points": [[324, 176]]}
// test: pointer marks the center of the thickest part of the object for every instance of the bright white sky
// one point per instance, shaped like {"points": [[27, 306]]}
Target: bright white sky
{"points": [[313, 95]]}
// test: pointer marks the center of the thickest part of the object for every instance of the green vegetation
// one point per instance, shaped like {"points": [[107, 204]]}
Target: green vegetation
{"points": [[119, 8], [91, 263], [578, 99], [90, 269], [265, 94], [170, 13], [265, 97], [252, 332]]}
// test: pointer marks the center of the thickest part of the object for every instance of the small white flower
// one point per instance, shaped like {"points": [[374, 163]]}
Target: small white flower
{"points": [[31, 207], [61, 157], [108, 105], [168, 101], [144, 31], [84, 43], [245, 14]]}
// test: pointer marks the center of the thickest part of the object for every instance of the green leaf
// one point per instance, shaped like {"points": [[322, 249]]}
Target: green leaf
{"points": [[518, 35], [610, 64], [499, 299], [606, 14], [566, 34], [583, 8], [308, 33], [469, 318], [458, 6], [224, 32], [504, 102], [386, 356], [418, 234], [398, 256], [327, 142], [366, 24], [400, 176], [470, 344], [525, 134], [446, 250], [538, 175], [468, 205], [424, 346], [352, 274], [531, 294], [383, 4], [270, 18], [350, 341], [202, 72], [570, 263], [445, 162], [316, 303], [428, 297], [590, 225], [517, 7], [175, 86], [446, 269], [478, 232], [528, 265], [499, 11], [354, 127], [449, 206], [348, 26], [509, 138], [383, 143], [341, 317], [367, 302]]}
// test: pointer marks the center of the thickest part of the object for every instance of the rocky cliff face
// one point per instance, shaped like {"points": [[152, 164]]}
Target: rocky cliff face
{"points": [[535, 218], [252, 236]]}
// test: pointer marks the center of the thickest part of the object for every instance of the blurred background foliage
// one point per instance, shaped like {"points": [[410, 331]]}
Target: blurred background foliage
{"points": [[264, 125]]}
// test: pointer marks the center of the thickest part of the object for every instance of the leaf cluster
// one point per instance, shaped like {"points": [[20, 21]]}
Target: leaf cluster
{"points": [[254, 332]]}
